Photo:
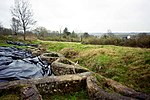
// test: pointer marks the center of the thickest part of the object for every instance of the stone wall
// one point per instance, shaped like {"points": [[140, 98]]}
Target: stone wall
{"points": [[47, 85], [69, 77]]}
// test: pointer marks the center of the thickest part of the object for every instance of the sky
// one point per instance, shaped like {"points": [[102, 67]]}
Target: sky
{"points": [[86, 15]]}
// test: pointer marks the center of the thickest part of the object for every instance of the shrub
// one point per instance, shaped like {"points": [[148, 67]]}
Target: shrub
{"points": [[102, 41], [141, 40]]}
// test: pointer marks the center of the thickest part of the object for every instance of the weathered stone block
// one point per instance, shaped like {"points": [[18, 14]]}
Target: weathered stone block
{"points": [[50, 57], [96, 93], [63, 66], [30, 93]]}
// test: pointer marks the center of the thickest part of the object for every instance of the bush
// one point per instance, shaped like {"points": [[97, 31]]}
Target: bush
{"points": [[141, 40], [102, 41]]}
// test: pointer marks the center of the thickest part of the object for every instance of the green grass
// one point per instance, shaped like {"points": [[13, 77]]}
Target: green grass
{"points": [[127, 65], [9, 97], [80, 95], [10, 93]]}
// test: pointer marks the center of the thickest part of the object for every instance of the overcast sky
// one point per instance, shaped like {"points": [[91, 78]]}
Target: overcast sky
{"points": [[86, 15]]}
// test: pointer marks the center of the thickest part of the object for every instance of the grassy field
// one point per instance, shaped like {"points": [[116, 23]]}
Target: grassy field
{"points": [[127, 65]]}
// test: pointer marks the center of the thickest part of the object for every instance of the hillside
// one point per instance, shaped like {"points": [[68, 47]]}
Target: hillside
{"points": [[127, 65]]}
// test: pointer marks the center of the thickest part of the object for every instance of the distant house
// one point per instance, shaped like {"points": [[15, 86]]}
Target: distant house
{"points": [[128, 37]]}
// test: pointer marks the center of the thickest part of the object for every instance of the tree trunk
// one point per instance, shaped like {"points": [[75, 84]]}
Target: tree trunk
{"points": [[24, 35], [81, 38]]}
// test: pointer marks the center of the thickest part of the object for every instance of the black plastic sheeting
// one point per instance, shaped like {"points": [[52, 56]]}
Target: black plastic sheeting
{"points": [[21, 44], [16, 64]]}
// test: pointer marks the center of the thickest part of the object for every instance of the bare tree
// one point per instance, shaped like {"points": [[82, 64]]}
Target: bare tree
{"points": [[15, 25], [23, 13]]}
